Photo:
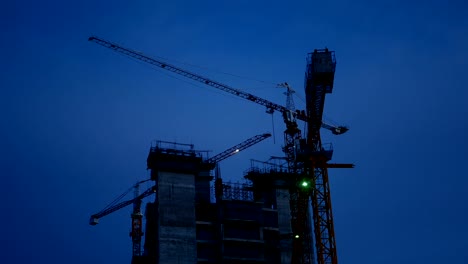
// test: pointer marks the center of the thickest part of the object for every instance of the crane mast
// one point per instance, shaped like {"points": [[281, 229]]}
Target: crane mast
{"points": [[289, 96], [319, 78], [306, 158], [137, 223]]}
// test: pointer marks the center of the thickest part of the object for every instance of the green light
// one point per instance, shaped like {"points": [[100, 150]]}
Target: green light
{"points": [[297, 236], [305, 184]]}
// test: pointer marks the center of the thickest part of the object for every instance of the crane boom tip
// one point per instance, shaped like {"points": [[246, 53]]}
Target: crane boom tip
{"points": [[339, 130], [93, 220]]}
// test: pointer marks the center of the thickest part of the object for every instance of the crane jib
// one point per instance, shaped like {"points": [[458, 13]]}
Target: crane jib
{"points": [[237, 148], [300, 115], [95, 217], [188, 74]]}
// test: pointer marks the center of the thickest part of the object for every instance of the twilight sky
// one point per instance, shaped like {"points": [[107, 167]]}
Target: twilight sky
{"points": [[77, 120]]}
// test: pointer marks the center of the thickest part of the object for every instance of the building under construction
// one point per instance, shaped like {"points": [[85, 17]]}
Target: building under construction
{"points": [[283, 214], [198, 219]]}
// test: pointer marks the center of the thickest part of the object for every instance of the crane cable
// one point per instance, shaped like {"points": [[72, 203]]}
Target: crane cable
{"points": [[118, 198], [273, 128], [200, 67], [211, 90], [213, 70]]}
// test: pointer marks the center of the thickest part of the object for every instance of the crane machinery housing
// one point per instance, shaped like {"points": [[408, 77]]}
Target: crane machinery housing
{"points": [[307, 158]]}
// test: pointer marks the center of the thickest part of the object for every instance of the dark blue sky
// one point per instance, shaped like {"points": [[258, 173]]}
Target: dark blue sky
{"points": [[78, 119]]}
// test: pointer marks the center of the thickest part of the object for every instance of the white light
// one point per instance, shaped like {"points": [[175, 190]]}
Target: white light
{"points": [[237, 150]]}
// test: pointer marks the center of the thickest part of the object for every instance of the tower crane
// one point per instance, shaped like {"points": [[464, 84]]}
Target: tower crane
{"points": [[319, 78], [306, 158], [271, 107], [136, 233]]}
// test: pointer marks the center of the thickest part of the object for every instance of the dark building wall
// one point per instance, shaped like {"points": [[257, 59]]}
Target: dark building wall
{"points": [[176, 223]]}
